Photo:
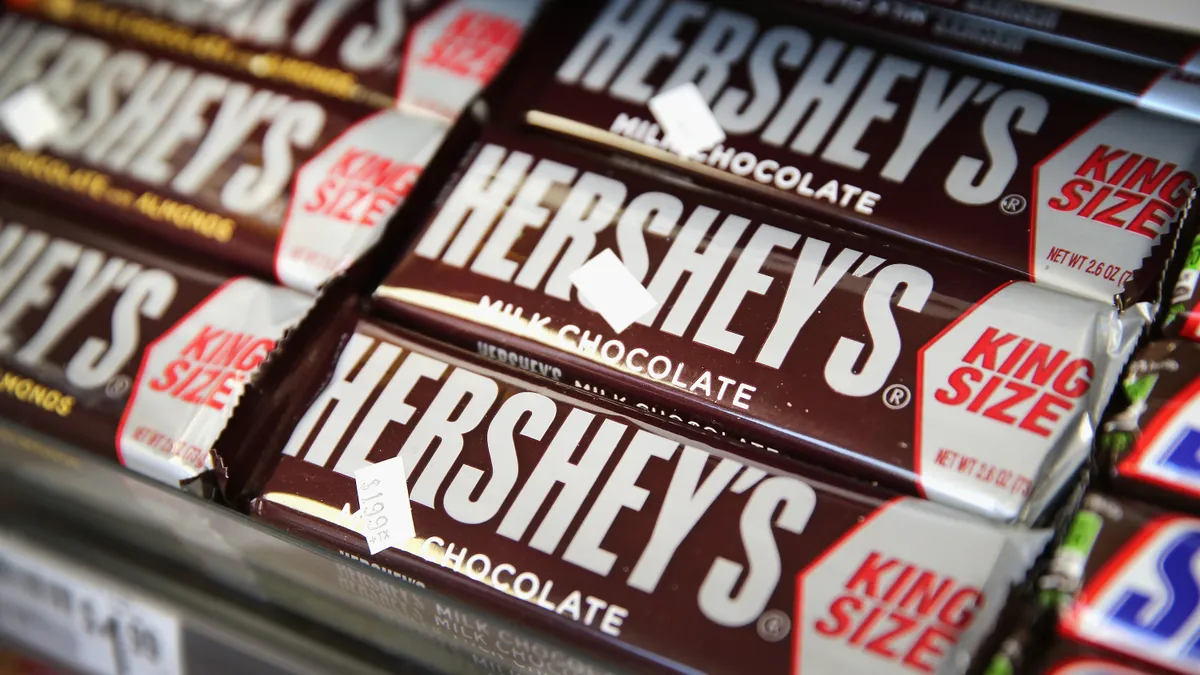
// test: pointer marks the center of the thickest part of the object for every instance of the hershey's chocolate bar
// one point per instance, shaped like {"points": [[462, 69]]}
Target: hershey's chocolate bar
{"points": [[1087, 31], [767, 328], [431, 54], [978, 41], [579, 519], [122, 350], [1152, 447], [283, 186], [1063, 188], [1126, 577]]}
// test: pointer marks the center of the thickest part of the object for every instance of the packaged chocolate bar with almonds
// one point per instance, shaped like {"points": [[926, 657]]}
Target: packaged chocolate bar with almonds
{"points": [[1151, 448], [426, 55], [1090, 31], [285, 186], [1126, 579], [590, 524], [764, 328], [951, 33], [1060, 187], [122, 350]]}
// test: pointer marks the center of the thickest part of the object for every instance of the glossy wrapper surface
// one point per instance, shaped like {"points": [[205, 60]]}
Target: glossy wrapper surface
{"points": [[1090, 32], [1064, 657], [598, 528], [429, 54], [1064, 188], [1120, 559], [771, 330]]}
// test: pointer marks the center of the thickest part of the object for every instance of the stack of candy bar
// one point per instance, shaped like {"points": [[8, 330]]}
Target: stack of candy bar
{"points": [[1120, 598], [155, 159], [709, 336]]}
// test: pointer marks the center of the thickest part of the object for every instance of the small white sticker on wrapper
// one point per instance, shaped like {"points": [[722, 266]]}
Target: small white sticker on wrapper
{"points": [[383, 507], [30, 117], [688, 125], [612, 290]]}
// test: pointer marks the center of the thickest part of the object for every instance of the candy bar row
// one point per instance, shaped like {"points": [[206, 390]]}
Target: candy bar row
{"points": [[812, 397]]}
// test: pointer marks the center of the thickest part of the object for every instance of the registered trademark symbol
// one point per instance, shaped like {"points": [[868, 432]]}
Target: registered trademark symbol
{"points": [[1012, 204], [116, 387], [896, 396], [774, 625]]}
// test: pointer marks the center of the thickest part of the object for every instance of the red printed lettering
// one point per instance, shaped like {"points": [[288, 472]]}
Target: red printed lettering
{"points": [[1124, 190], [210, 367], [915, 622]]}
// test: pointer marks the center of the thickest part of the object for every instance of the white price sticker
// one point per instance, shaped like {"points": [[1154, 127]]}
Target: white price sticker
{"points": [[69, 613], [385, 515], [612, 290]]}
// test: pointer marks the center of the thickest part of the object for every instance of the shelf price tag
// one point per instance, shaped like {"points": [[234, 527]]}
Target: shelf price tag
{"points": [[383, 507], [72, 615]]}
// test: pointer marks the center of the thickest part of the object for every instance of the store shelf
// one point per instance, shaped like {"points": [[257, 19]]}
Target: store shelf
{"points": [[100, 567]]}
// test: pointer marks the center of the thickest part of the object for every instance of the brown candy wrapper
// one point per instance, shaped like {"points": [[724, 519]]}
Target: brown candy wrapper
{"points": [[1124, 584], [286, 184], [428, 55], [602, 529]]}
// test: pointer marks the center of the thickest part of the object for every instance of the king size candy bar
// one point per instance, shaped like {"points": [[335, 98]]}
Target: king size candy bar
{"points": [[283, 186], [431, 55], [953, 34], [1152, 447], [981, 391], [121, 350], [585, 522], [1128, 578], [1056, 186]]}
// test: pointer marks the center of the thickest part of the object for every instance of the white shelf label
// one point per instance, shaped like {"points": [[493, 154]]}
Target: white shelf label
{"points": [[71, 615]]}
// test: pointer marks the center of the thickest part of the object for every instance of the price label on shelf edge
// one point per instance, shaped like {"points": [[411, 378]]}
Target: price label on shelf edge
{"points": [[74, 616]]}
